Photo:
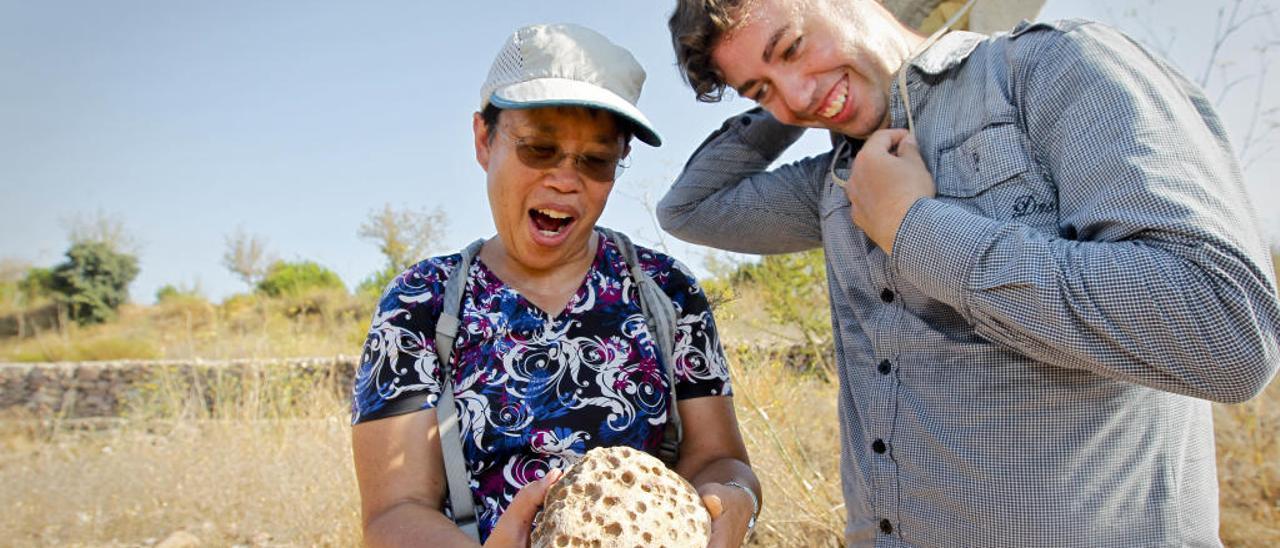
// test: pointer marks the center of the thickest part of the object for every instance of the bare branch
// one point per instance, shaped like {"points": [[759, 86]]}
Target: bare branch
{"points": [[12, 269], [404, 236], [1151, 37], [1224, 30], [1253, 136], [645, 199], [246, 256], [1227, 87], [652, 213], [101, 227]]}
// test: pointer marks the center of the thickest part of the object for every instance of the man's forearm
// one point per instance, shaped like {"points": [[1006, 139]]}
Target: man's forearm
{"points": [[726, 198], [1196, 320], [1155, 274]]}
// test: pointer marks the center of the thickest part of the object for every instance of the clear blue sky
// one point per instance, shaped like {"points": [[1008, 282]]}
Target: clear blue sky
{"points": [[294, 119]]}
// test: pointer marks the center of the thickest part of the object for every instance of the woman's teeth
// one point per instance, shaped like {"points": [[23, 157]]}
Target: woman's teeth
{"points": [[553, 214], [549, 222]]}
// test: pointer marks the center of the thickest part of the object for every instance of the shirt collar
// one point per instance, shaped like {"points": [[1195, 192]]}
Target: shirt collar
{"points": [[950, 50]]}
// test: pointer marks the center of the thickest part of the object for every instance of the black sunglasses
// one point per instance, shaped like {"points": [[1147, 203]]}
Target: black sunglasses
{"points": [[545, 153]]}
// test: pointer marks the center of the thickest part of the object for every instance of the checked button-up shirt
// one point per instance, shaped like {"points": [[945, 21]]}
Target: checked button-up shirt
{"points": [[1034, 363]]}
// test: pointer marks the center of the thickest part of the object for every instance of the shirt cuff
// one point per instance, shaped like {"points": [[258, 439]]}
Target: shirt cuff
{"points": [[762, 132], [937, 246]]}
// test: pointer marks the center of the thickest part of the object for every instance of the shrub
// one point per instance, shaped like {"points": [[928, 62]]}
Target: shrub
{"points": [[286, 278], [794, 287], [94, 281], [326, 303], [371, 288], [37, 284], [8, 295], [183, 310], [778, 296], [239, 303], [167, 292], [170, 292]]}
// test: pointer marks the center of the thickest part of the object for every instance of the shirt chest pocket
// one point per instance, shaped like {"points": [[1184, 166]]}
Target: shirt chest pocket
{"points": [[993, 174]]}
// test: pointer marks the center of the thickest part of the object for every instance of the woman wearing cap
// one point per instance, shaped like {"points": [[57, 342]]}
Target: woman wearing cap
{"points": [[554, 353]]}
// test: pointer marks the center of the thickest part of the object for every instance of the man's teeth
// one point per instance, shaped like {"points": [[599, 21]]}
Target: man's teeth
{"points": [[554, 214], [835, 106]]}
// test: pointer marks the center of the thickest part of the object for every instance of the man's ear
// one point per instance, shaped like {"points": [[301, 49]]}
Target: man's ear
{"points": [[481, 132]]}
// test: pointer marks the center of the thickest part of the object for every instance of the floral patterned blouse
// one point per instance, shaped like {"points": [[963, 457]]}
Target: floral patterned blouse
{"points": [[536, 392]]}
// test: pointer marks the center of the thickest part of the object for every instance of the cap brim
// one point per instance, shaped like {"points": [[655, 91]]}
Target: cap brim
{"points": [[561, 92]]}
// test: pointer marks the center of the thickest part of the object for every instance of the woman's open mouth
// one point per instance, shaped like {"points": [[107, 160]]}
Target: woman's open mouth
{"points": [[550, 226]]}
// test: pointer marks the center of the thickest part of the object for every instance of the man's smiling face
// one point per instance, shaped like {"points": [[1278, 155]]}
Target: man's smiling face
{"points": [[814, 63]]}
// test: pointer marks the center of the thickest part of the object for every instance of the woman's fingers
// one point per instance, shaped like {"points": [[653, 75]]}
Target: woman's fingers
{"points": [[512, 529]]}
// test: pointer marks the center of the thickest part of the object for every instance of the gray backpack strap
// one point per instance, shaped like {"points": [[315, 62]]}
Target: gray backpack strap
{"points": [[660, 316], [455, 464]]}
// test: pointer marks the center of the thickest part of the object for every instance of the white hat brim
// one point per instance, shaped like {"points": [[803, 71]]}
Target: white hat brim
{"points": [[561, 92]]}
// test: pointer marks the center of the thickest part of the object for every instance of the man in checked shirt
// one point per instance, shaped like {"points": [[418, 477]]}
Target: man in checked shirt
{"points": [[1034, 298]]}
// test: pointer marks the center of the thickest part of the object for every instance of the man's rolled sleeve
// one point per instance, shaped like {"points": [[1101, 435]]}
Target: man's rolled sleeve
{"points": [[937, 246]]}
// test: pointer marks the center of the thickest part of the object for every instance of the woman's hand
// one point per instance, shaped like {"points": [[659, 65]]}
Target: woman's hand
{"points": [[513, 528], [711, 455], [730, 509]]}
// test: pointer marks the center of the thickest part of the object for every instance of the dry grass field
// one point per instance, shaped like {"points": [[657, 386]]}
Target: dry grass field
{"points": [[1248, 439], [319, 323], [268, 465], [267, 462], [265, 466]]}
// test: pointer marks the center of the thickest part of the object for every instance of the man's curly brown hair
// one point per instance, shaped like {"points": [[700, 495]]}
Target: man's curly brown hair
{"points": [[696, 26]]}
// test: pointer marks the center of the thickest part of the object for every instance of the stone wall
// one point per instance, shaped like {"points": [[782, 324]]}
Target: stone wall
{"points": [[101, 389], [20, 324]]}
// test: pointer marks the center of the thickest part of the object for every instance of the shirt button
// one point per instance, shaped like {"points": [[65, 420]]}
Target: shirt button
{"points": [[886, 527], [878, 446], [885, 367], [886, 296]]}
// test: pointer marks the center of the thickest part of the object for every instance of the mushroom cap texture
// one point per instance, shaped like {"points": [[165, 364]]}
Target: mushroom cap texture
{"points": [[618, 496]]}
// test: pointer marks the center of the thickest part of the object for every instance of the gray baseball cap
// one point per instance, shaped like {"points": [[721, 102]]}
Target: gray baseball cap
{"points": [[567, 65]]}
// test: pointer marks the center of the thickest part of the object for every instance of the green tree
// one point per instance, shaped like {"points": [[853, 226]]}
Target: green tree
{"points": [[285, 278], [94, 281]]}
